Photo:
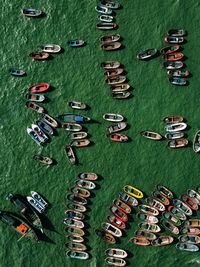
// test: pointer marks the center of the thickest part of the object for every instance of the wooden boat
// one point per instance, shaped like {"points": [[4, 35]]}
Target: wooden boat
{"points": [[120, 95], [72, 127], [80, 142], [70, 154], [80, 192], [73, 223], [76, 207], [147, 54], [50, 120], [187, 247], [151, 211], [109, 65], [110, 38], [194, 194], [162, 198], [75, 43], [39, 199], [111, 229], [116, 252], [149, 227], [76, 105], [105, 18], [169, 49], [172, 65], [43, 159], [162, 241], [73, 118], [170, 226], [34, 136], [151, 135], [119, 87], [176, 32], [74, 231], [142, 241], [165, 191], [178, 73], [115, 80], [173, 56], [105, 236], [174, 40], [146, 235], [16, 72], [117, 137], [116, 221], [189, 201], [173, 119], [177, 80], [39, 55], [116, 127], [76, 246], [174, 135], [155, 203], [196, 142], [38, 88], [115, 261], [31, 12], [174, 127], [112, 73], [18, 224], [35, 204], [73, 238], [192, 223], [77, 215], [44, 127], [81, 255], [113, 117], [130, 200], [26, 210], [118, 213], [112, 5], [172, 218], [178, 213], [43, 137], [182, 207], [79, 135], [103, 10], [133, 191], [189, 231], [147, 218], [34, 97], [85, 184], [34, 107], [76, 199], [124, 207], [189, 239], [50, 48], [106, 25], [90, 176], [110, 46]]}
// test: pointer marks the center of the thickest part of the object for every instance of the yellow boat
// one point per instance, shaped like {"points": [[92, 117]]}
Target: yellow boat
{"points": [[133, 191]]}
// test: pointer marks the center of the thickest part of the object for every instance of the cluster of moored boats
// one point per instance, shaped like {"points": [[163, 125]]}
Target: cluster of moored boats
{"points": [[75, 215]]}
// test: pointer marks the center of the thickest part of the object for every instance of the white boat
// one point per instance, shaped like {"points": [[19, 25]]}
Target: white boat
{"points": [[51, 48], [34, 136], [39, 199], [113, 230], [85, 184], [35, 204], [174, 127], [43, 138]]}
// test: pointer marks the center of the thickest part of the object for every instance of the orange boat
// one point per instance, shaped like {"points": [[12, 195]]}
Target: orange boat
{"points": [[173, 119], [110, 46], [120, 204], [169, 49], [105, 236], [80, 192], [112, 73], [39, 55], [173, 56], [38, 88], [177, 143], [116, 221], [117, 137], [139, 241]]}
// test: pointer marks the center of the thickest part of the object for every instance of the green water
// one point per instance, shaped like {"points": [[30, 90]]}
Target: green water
{"points": [[75, 75]]}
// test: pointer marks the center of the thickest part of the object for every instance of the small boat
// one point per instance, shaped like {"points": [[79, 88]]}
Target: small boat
{"points": [[43, 159], [178, 213], [106, 26], [162, 198], [116, 252], [113, 117], [103, 10], [85, 184], [105, 18], [35, 204], [120, 95], [112, 73], [165, 191], [130, 200], [119, 87], [189, 231], [34, 107], [187, 247], [155, 203], [178, 73], [149, 53], [70, 154], [76, 246], [39, 199], [173, 119], [79, 135], [110, 46], [73, 222], [16, 72], [115, 261], [73, 118], [146, 235], [80, 192], [192, 223], [172, 65], [76, 105], [174, 127], [174, 135], [90, 176], [118, 213], [147, 218], [172, 218], [194, 194], [182, 207], [105, 236], [50, 48], [74, 231], [31, 12], [173, 56], [190, 202], [176, 32], [38, 88], [177, 80], [80, 142], [73, 238], [151, 135], [170, 227], [177, 143], [198, 189], [133, 191], [111, 229], [116, 221], [142, 241], [44, 127], [169, 49], [77, 215], [72, 127], [75, 43], [116, 127], [39, 55], [43, 137], [76, 199], [109, 65], [34, 97], [149, 227], [76, 207], [151, 211], [174, 40], [190, 239], [50, 120], [34, 136], [115, 80], [196, 142], [110, 38], [112, 5], [81, 255], [117, 137], [162, 241], [124, 207]]}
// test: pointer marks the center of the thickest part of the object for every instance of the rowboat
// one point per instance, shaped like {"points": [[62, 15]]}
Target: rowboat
{"points": [[176, 32], [80, 142], [149, 227], [70, 154], [133, 191], [120, 204], [151, 211], [73, 238], [182, 207], [142, 241], [174, 135], [173, 56], [50, 120], [81, 255], [50, 48], [105, 18], [34, 97], [116, 221], [196, 142], [44, 127], [77, 215], [39, 55], [169, 49], [192, 223], [155, 203], [177, 143], [115, 261], [88, 176], [112, 5], [189, 201], [110, 46], [39, 199], [170, 227], [198, 189], [116, 252], [115, 80], [73, 118], [177, 80], [42, 136], [147, 218], [74, 231], [76, 246], [75, 43], [113, 117], [34, 136], [189, 231], [180, 126], [118, 213], [76, 207], [178, 73], [111, 229], [80, 192], [34, 107], [105, 236], [162, 241], [172, 218], [174, 40], [120, 95], [178, 213], [106, 26], [38, 88], [35, 204], [71, 126], [189, 239], [85, 184], [116, 127], [76, 105], [147, 54], [120, 87], [43, 159], [172, 65], [117, 137], [110, 38], [151, 135], [76, 199], [16, 72], [187, 247], [162, 198], [130, 200], [146, 235], [112, 73], [73, 223], [31, 12], [108, 65], [165, 191], [193, 194], [173, 119], [103, 10], [79, 135]]}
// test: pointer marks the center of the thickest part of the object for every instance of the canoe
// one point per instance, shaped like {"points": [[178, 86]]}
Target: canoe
{"points": [[172, 119], [109, 65], [173, 56], [180, 126], [147, 235], [90, 176], [76, 199], [162, 198], [118, 213], [39, 55], [16, 72], [192, 223], [165, 191], [75, 43], [103, 10], [117, 137], [105, 18], [18, 224], [193, 194], [44, 127], [120, 95], [190, 239], [151, 135], [81, 255], [178, 213], [115, 80], [151, 211], [187, 247], [76, 105], [130, 200], [116, 252], [172, 65], [174, 135], [77, 215], [172, 218], [50, 120], [147, 218], [196, 142], [50, 48], [116, 127], [85, 184], [115, 261], [189, 201], [189, 231], [76, 246], [147, 54], [155, 203], [111, 229], [142, 241], [110, 46], [177, 80], [72, 127], [34, 107], [133, 191], [79, 135], [34, 97], [110, 38], [80, 142], [73, 118], [120, 204], [31, 12], [112, 73], [43, 159], [73, 238], [35, 204], [42, 136], [74, 231], [174, 40], [178, 73], [113, 117], [183, 207], [176, 32], [34, 136], [76, 207], [80, 192], [73, 223], [119, 87], [116, 221], [38, 88], [170, 226], [106, 26], [112, 5], [149, 227], [105, 236], [169, 49], [39, 199], [70, 154], [162, 241]]}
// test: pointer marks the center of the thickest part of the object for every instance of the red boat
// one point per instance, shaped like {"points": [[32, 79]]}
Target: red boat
{"points": [[118, 213], [38, 88], [39, 55], [190, 202], [173, 56], [116, 221], [169, 49]]}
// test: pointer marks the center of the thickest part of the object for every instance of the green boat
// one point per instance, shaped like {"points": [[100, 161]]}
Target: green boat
{"points": [[177, 80], [73, 118], [172, 218]]}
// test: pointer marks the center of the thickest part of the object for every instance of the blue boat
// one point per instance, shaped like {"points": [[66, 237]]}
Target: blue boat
{"points": [[75, 43], [34, 136], [174, 135], [16, 72], [44, 127], [187, 247], [31, 12]]}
